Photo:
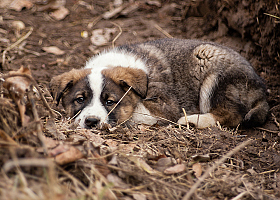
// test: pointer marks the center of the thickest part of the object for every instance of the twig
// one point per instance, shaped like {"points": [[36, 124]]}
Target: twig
{"points": [[43, 162], [246, 186], [118, 102], [272, 15], [163, 31], [15, 44], [36, 118], [267, 130], [220, 161], [119, 34], [240, 195], [186, 118], [275, 120]]}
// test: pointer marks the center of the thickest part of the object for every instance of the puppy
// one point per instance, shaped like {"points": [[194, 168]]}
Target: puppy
{"points": [[153, 81]]}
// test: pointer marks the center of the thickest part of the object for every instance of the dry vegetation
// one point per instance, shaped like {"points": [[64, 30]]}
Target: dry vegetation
{"points": [[44, 156]]}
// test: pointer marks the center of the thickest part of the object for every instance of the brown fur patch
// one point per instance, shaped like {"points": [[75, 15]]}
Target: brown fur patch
{"points": [[58, 84], [125, 76], [113, 91]]}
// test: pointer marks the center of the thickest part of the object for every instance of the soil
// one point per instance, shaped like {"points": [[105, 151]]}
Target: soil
{"points": [[250, 27]]}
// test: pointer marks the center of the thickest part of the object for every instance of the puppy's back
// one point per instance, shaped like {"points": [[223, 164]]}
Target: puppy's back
{"points": [[204, 77]]}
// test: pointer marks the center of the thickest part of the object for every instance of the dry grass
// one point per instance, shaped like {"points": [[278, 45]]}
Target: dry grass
{"points": [[50, 158]]}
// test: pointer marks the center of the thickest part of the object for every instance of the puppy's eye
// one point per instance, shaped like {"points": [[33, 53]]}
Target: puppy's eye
{"points": [[109, 102], [80, 100]]}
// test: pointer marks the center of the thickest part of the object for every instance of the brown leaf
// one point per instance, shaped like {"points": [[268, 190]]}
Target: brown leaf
{"points": [[51, 128], [138, 196], [101, 164], [60, 14], [59, 149], [112, 13], [101, 37], [71, 155], [117, 181], [201, 158], [50, 5], [127, 148], [112, 144], [17, 87], [143, 165], [18, 5], [163, 163], [95, 139], [175, 169], [197, 168], [54, 50]]}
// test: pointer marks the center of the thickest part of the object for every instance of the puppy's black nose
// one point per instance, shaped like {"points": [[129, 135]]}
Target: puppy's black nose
{"points": [[92, 121]]}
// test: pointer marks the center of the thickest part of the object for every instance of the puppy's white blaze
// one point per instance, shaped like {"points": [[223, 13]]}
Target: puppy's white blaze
{"points": [[116, 58], [142, 115], [95, 107], [206, 93]]}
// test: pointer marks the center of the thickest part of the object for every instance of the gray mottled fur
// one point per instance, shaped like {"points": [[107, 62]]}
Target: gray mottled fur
{"points": [[202, 77]]}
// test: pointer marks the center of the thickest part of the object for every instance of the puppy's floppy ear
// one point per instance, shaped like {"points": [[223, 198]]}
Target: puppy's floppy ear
{"points": [[60, 84], [126, 76]]}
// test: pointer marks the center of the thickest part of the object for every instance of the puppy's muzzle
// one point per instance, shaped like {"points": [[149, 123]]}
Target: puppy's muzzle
{"points": [[92, 121]]}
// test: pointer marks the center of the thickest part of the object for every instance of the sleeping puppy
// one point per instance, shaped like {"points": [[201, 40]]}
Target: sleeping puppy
{"points": [[153, 81]]}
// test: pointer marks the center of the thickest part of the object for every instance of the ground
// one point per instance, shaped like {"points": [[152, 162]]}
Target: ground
{"points": [[141, 162]]}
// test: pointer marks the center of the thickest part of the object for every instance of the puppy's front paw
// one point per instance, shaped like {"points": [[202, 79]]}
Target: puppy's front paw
{"points": [[199, 120]]}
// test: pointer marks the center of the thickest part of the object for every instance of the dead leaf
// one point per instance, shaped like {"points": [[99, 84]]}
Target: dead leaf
{"points": [[112, 13], [60, 14], [50, 5], [100, 164], [52, 129], [50, 143], [175, 169], [114, 160], [201, 158], [69, 156], [143, 165], [18, 5], [112, 144], [54, 50], [17, 87], [127, 148], [163, 163], [117, 181], [154, 3], [59, 149], [197, 168], [252, 171], [138, 196], [130, 9], [101, 37], [95, 139]]}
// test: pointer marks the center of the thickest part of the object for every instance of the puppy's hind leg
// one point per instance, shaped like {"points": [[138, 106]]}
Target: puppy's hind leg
{"points": [[199, 120]]}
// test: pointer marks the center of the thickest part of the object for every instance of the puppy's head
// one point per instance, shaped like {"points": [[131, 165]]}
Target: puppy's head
{"points": [[91, 95]]}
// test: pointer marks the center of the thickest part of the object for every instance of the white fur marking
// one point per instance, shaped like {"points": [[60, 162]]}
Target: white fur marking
{"points": [[142, 115], [95, 107], [206, 93], [199, 120], [116, 58]]}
